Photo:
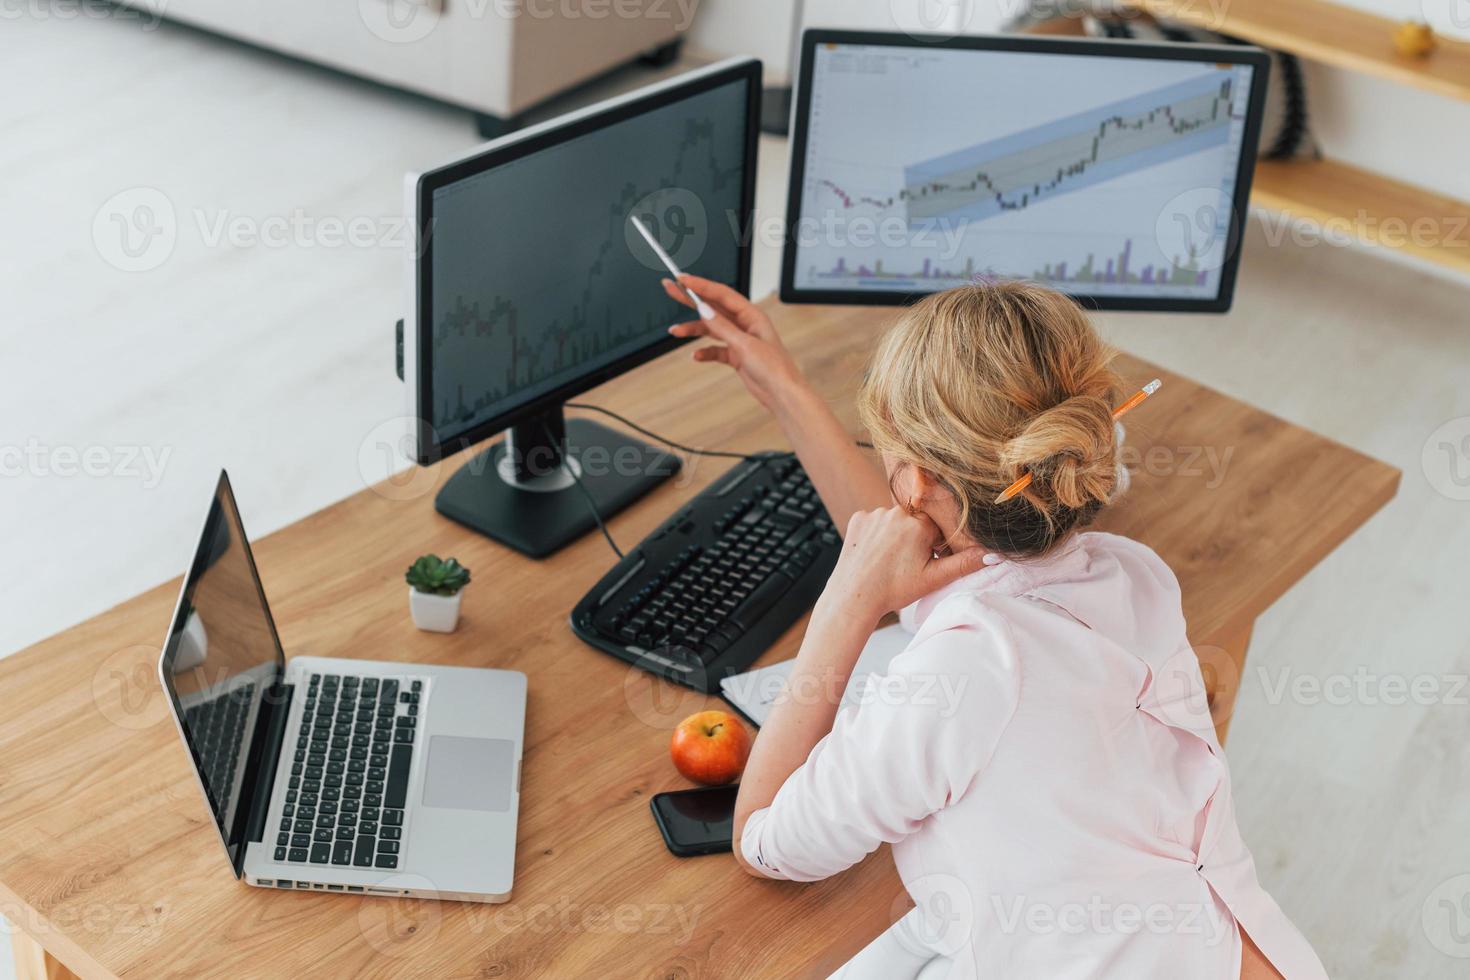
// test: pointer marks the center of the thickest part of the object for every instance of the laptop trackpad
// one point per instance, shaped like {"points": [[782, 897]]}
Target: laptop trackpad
{"points": [[470, 773]]}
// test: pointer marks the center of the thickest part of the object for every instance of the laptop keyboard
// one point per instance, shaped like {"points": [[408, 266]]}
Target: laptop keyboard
{"points": [[217, 730], [350, 766]]}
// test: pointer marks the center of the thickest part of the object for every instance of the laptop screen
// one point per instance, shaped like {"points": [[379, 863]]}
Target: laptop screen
{"points": [[219, 663]]}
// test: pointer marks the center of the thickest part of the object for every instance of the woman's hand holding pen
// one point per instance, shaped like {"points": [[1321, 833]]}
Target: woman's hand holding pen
{"points": [[746, 341]]}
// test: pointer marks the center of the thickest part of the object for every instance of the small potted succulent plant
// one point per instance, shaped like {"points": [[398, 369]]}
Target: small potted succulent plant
{"points": [[434, 591]]}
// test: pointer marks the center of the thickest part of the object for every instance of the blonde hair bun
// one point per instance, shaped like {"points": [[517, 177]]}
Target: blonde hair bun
{"points": [[979, 384], [1069, 449]]}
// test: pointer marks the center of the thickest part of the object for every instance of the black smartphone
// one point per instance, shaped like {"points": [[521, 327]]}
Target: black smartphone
{"points": [[696, 821]]}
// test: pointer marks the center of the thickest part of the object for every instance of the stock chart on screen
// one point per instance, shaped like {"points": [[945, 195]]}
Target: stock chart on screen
{"points": [[926, 168], [538, 277]]}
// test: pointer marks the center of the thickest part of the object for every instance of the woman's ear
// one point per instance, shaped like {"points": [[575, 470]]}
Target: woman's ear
{"points": [[921, 484]]}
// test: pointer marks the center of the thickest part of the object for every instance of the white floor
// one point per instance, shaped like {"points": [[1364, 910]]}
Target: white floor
{"points": [[277, 362]]}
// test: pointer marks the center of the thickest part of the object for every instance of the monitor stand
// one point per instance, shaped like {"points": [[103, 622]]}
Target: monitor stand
{"points": [[521, 491]]}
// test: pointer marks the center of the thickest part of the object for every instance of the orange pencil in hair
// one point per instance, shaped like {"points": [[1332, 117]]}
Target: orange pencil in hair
{"points": [[1119, 412]]}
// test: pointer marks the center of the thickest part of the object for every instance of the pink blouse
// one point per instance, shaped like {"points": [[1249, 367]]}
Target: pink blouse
{"points": [[1041, 758]]}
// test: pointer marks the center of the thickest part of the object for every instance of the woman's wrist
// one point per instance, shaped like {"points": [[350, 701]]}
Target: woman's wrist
{"points": [[843, 612], [795, 398]]}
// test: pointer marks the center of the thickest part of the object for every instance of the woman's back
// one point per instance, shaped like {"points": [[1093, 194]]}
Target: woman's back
{"points": [[1079, 842]]}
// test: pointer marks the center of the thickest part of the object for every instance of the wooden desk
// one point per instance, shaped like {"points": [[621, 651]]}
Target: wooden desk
{"points": [[107, 856]]}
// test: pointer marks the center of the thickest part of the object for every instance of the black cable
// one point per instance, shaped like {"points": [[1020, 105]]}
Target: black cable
{"points": [[762, 456], [591, 501]]}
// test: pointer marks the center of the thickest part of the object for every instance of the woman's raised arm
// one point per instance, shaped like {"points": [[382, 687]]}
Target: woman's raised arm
{"points": [[747, 342]]}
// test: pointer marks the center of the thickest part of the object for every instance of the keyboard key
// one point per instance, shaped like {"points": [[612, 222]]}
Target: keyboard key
{"points": [[393, 818], [321, 853], [392, 833], [363, 856], [397, 793], [386, 861], [761, 600], [280, 854], [342, 852], [296, 854], [386, 846]]}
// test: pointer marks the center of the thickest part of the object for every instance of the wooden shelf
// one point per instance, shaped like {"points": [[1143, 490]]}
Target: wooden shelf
{"points": [[1368, 207], [1327, 32]]}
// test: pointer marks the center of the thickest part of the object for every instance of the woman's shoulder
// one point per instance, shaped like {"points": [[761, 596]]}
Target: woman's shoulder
{"points": [[1136, 558], [964, 632]]}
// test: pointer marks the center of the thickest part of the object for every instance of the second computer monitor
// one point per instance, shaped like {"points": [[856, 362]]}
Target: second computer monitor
{"points": [[1115, 171]]}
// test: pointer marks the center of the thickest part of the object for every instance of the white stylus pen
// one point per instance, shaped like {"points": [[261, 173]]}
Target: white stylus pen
{"points": [[706, 312]]}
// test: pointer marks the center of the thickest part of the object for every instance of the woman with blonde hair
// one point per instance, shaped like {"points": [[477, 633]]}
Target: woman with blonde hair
{"points": [[1056, 808]]}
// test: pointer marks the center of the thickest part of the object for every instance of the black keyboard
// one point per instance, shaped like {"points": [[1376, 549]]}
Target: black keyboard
{"points": [[709, 591], [350, 765], [217, 731]]}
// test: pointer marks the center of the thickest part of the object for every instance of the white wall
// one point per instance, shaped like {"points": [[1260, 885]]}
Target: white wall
{"points": [[1393, 129], [763, 27]]}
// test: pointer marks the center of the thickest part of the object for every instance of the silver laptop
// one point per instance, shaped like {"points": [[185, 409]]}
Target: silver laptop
{"points": [[325, 774]]}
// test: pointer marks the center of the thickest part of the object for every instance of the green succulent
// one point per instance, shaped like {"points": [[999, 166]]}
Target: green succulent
{"points": [[435, 576]]}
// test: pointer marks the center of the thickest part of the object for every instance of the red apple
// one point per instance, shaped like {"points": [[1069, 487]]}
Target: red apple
{"points": [[710, 747]]}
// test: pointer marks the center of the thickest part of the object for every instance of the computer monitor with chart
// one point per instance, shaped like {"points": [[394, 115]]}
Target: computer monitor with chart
{"points": [[1115, 171], [529, 285]]}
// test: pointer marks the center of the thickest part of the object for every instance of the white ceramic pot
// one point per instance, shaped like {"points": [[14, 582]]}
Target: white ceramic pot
{"points": [[435, 613]]}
